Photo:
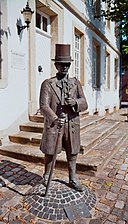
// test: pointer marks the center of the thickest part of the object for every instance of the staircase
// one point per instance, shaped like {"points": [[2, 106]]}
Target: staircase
{"points": [[101, 138]]}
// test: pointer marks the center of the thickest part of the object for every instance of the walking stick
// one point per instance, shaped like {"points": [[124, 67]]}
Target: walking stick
{"points": [[58, 141]]}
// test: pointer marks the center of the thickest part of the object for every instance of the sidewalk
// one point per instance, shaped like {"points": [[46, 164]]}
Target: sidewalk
{"points": [[120, 115], [110, 187]]}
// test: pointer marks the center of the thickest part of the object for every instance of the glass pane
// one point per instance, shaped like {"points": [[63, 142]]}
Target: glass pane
{"points": [[38, 20], [116, 65], [77, 55], [77, 41], [94, 65], [45, 23]]}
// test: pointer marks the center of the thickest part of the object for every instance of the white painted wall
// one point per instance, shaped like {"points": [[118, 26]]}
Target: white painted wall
{"points": [[14, 98], [103, 99]]}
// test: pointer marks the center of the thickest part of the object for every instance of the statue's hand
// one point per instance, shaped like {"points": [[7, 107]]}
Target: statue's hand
{"points": [[59, 122], [70, 101]]}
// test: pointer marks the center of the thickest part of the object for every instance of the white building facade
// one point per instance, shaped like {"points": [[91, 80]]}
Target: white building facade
{"points": [[26, 58]]}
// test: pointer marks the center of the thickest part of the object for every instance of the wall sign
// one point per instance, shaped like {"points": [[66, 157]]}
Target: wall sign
{"points": [[17, 60]]}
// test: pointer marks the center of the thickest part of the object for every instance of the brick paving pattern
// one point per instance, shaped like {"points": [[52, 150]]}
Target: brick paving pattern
{"points": [[106, 192], [18, 178], [59, 197]]}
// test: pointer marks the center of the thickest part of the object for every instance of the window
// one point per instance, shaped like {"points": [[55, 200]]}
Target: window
{"points": [[45, 23], [107, 77], [116, 73], [95, 7], [96, 64], [77, 56], [79, 51], [42, 21], [38, 20]]}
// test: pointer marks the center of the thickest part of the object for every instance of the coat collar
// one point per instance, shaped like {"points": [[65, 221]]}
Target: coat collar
{"points": [[59, 84], [70, 83], [55, 83]]}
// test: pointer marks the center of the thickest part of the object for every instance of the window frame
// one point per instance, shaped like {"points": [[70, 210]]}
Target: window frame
{"points": [[96, 76], [77, 55], [81, 53], [45, 16], [116, 72], [96, 8], [107, 69]]}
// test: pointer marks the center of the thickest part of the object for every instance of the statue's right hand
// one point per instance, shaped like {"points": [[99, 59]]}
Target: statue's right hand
{"points": [[59, 122]]}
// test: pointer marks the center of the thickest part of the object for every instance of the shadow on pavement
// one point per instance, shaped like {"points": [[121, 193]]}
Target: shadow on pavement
{"points": [[17, 174]]}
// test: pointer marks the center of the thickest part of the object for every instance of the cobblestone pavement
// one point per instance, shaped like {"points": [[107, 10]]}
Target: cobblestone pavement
{"points": [[111, 189], [105, 196], [61, 202]]}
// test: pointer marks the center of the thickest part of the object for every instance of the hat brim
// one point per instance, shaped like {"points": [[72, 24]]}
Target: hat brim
{"points": [[62, 61]]}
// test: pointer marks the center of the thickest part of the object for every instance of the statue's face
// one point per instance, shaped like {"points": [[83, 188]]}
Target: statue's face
{"points": [[62, 67]]}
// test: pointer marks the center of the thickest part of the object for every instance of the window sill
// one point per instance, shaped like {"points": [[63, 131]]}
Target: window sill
{"points": [[96, 88], [43, 33]]}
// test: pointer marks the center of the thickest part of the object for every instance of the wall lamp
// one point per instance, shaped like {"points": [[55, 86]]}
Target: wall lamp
{"points": [[27, 14]]}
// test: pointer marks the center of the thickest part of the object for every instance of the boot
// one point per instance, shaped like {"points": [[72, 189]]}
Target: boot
{"points": [[48, 163], [73, 180]]}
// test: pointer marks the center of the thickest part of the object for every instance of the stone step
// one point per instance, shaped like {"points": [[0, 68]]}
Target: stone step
{"points": [[95, 160], [36, 118], [31, 133], [37, 127], [88, 138], [97, 134], [87, 123], [23, 152], [100, 154], [39, 118], [84, 114], [23, 137], [32, 126]]}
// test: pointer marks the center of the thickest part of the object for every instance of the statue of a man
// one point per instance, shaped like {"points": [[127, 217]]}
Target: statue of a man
{"points": [[62, 94]]}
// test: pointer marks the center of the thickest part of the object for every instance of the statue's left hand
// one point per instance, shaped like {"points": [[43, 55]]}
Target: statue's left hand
{"points": [[70, 101]]}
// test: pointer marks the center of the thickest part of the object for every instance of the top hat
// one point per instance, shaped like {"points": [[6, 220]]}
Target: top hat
{"points": [[62, 53]]}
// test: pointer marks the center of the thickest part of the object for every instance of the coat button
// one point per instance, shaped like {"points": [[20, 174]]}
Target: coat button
{"points": [[73, 132]]}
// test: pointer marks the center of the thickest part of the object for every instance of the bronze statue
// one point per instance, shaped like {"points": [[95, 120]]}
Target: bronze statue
{"points": [[62, 95]]}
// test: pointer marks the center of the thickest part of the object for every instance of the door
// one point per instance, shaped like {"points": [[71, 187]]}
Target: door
{"points": [[43, 51]]}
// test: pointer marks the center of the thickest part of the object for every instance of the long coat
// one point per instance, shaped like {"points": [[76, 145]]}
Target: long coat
{"points": [[50, 106]]}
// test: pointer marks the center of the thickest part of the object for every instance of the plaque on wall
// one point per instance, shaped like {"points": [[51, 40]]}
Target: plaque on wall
{"points": [[17, 60]]}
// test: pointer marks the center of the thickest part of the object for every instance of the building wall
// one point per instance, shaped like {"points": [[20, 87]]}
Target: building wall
{"points": [[18, 96], [14, 95], [98, 100]]}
